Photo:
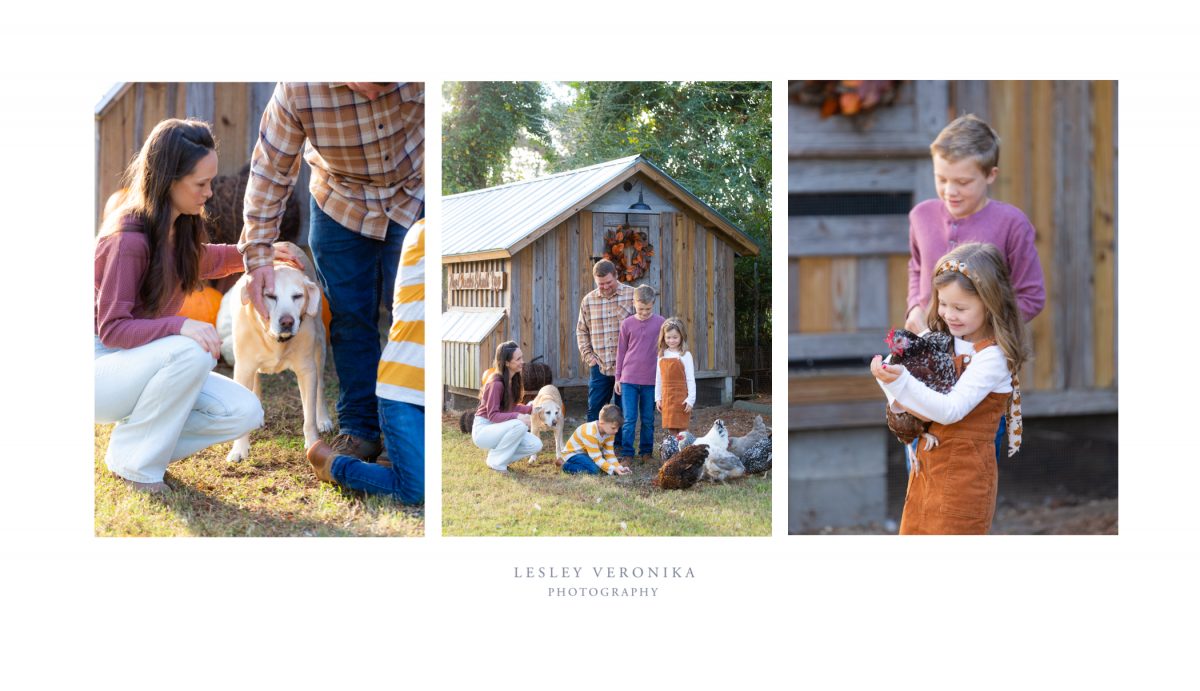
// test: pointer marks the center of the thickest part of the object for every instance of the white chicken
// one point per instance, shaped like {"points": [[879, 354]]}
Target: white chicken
{"points": [[720, 465]]}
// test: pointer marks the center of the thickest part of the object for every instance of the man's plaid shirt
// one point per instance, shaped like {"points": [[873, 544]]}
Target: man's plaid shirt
{"points": [[600, 324], [367, 160]]}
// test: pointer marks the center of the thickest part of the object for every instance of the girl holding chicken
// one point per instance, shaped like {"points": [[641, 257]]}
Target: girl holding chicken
{"points": [[952, 489]]}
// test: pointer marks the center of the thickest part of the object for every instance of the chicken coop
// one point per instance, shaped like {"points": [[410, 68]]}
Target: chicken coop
{"points": [[852, 181], [517, 261], [130, 110]]}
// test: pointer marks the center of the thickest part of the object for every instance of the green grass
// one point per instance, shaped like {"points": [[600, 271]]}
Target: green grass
{"points": [[273, 493], [542, 500]]}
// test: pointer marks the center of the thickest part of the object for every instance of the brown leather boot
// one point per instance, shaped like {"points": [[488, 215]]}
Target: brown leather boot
{"points": [[350, 445], [320, 456]]}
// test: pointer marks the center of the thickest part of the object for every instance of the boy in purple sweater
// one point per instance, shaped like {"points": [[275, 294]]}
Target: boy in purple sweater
{"points": [[637, 359], [965, 156]]}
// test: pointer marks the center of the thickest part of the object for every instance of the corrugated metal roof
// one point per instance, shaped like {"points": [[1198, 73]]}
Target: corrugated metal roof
{"points": [[469, 327], [497, 218]]}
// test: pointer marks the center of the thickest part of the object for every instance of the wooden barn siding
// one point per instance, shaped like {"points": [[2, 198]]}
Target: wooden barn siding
{"points": [[1058, 165], [234, 109]]}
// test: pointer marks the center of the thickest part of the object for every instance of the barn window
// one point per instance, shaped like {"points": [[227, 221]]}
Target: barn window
{"points": [[850, 203]]}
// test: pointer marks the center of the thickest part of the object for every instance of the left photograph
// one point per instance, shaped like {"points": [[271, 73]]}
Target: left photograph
{"points": [[259, 318]]}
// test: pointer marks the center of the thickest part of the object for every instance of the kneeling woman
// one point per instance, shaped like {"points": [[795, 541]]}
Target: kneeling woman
{"points": [[153, 369], [501, 423]]}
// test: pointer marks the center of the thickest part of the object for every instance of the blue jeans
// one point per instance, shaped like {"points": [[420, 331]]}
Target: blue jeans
{"points": [[404, 428], [635, 399], [600, 392], [580, 463], [358, 275]]}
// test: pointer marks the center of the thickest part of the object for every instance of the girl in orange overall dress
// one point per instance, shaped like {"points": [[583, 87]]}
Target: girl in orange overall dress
{"points": [[952, 486], [675, 378]]}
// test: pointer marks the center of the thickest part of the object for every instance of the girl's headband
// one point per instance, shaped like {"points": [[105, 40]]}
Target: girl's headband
{"points": [[951, 265]]}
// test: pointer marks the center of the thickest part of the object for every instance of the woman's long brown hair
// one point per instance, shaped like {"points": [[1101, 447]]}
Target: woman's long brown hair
{"points": [[514, 389], [170, 153]]}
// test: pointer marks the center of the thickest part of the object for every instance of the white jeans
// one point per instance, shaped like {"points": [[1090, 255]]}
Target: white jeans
{"points": [[167, 404], [508, 441]]}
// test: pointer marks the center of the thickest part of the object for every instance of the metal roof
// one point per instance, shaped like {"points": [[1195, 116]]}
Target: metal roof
{"points": [[469, 327], [499, 218]]}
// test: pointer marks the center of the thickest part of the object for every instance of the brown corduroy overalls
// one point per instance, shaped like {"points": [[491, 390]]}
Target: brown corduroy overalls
{"points": [[674, 393], [952, 488]]}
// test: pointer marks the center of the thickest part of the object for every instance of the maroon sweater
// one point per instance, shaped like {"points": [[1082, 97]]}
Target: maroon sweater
{"points": [[489, 403], [122, 321]]}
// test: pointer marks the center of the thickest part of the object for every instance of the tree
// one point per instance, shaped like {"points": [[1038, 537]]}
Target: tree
{"points": [[486, 120]]}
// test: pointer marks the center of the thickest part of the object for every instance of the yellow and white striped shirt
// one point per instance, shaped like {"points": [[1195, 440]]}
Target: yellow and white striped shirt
{"points": [[402, 366], [590, 440]]}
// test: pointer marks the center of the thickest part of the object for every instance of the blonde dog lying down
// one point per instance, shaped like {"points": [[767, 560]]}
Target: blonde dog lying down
{"points": [[293, 338]]}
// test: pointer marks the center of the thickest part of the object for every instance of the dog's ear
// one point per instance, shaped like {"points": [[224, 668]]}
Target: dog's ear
{"points": [[312, 292]]}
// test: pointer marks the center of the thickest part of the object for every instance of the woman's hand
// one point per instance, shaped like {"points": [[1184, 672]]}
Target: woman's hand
{"points": [[284, 253], [525, 419], [687, 407], [617, 388], [203, 333], [885, 373]]}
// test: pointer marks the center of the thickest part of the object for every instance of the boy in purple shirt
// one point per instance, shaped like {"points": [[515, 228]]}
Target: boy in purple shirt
{"points": [[637, 359], [965, 156]]}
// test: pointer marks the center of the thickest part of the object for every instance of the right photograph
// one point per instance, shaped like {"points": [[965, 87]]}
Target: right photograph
{"points": [[952, 307]]}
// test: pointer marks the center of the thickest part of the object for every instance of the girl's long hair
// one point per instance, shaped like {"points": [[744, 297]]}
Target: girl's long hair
{"points": [[676, 324], [986, 275], [514, 389], [170, 153]]}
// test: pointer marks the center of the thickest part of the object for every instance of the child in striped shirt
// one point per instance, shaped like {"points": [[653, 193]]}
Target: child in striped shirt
{"points": [[590, 449]]}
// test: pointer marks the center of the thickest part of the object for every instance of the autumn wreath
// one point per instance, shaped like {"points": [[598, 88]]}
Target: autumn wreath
{"points": [[635, 264]]}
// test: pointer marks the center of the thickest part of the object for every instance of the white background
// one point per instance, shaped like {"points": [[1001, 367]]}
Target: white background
{"points": [[1017, 612]]}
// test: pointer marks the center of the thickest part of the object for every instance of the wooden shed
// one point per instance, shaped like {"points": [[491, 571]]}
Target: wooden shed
{"points": [[521, 255], [130, 110], [851, 184]]}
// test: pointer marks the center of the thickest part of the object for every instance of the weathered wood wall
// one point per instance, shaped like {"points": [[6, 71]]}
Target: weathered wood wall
{"points": [[234, 109], [692, 269], [848, 274]]}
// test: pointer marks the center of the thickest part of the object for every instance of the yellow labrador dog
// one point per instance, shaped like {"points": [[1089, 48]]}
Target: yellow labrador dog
{"points": [[548, 415], [293, 338]]}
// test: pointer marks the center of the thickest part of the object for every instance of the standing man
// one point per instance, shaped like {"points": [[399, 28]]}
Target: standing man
{"points": [[600, 316], [365, 143]]}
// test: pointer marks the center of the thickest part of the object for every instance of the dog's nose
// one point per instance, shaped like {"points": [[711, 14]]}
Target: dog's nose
{"points": [[287, 322]]}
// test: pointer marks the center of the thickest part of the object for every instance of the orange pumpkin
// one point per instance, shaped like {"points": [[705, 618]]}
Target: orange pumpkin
{"points": [[202, 305]]}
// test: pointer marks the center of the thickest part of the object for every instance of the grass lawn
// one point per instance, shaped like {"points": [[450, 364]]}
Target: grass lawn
{"points": [[273, 493], [542, 500]]}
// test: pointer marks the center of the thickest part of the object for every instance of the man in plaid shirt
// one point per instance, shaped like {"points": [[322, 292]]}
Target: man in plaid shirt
{"points": [[365, 143], [600, 316]]}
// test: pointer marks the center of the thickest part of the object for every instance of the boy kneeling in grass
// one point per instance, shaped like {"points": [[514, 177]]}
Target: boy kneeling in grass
{"points": [[590, 449]]}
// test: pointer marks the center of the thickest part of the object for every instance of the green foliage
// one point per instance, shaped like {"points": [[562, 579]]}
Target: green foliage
{"points": [[487, 120]]}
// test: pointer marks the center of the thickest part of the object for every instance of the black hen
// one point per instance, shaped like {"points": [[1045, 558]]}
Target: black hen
{"points": [[929, 358]]}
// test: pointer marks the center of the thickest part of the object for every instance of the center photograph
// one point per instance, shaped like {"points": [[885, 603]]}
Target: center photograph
{"points": [[606, 316]]}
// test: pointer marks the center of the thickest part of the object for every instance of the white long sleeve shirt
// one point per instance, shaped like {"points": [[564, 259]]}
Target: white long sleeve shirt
{"points": [[987, 372], [689, 369]]}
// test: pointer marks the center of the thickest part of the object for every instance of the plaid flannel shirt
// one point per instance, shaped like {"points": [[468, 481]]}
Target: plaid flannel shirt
{"points": [[599, 326], [367, 160]]}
